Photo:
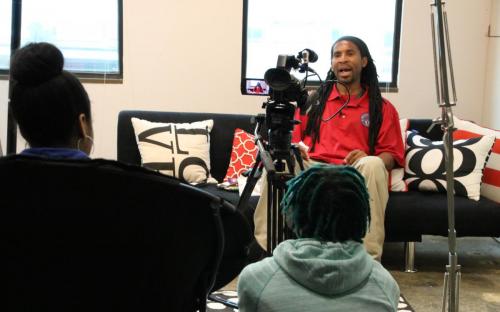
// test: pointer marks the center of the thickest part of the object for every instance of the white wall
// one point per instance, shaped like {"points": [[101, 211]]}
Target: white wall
{"points": [[492, 92], [170, 63], [468, 26]]}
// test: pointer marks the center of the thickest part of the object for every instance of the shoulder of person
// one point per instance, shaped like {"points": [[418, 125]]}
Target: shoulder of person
{"points": [[386, 102], [253, 280], [388, 107], [385, 281], [264, 268]]}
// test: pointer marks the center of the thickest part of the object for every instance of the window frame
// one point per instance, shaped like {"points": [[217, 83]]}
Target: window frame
{"points": [[391, 86], [101, 77]]}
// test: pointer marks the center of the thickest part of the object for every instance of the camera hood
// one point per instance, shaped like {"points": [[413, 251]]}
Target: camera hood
{"points": [[278, 78]]}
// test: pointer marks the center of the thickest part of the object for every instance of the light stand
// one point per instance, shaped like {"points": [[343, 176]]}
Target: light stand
{"points": [[15, 42], [443, 63]]}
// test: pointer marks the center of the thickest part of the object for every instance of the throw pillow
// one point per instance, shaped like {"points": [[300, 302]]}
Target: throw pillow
{"points": [[243, 154], [490, 188], [425, 168], [181, 150], [396, 176]]}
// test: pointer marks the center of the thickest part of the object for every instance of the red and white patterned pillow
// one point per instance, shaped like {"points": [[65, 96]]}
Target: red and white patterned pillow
{"points": [[243, 154], [490, 186]]}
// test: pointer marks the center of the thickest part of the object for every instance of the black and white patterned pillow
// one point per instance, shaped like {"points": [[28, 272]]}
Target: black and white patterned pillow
{"points": [[425, 167], [181, 150]]}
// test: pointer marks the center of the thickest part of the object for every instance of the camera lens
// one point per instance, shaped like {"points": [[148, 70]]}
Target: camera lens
{"points": [[277, 78]]}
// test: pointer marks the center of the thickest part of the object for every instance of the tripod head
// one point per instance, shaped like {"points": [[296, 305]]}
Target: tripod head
{"points": [[279, 124]]}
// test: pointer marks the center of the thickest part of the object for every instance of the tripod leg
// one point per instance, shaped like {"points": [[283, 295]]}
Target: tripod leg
{"points": [[276, 222], [445, 291], [271, 215], [250, 185], [457, 290], [298, 157], [281, 226], [273, 232]]}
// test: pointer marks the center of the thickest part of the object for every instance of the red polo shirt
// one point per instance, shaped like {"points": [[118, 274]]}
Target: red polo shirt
{"points": [[349, 130]]}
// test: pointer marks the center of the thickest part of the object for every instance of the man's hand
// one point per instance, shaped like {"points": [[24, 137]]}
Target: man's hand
{"points": [[353, 156], [303, 150]]}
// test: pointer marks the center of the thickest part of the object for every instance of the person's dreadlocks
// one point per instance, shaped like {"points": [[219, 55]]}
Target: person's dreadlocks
{"points": [[369, 79], [329, 203]]}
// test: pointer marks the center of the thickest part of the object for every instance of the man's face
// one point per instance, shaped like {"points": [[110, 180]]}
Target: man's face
{"points": [[347, 62]]}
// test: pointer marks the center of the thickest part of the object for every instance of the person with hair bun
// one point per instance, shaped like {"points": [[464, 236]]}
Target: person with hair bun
{"points": [[327, 267], [49, 104]]}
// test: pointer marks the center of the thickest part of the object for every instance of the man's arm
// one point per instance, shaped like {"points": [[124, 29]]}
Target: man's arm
{"points": [[388, 160], [390, 140]]}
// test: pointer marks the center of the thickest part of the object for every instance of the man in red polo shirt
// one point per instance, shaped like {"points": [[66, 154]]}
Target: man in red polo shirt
{"points": [[364, 134]]}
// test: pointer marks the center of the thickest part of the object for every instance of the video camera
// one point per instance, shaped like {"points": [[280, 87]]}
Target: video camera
{"points": [[284, 89], [279, 122]]}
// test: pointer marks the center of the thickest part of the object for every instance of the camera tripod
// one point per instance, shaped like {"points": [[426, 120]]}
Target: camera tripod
{"points": [[280, 167]]}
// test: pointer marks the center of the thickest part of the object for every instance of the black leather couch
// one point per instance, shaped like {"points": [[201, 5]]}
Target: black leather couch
{"points": [[409, 215]]}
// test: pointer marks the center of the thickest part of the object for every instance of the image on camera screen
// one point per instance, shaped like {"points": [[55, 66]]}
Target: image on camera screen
{"points": [[257, 87]]}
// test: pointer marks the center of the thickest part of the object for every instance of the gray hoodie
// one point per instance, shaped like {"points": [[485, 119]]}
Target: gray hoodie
{"points": [[309, 275]]}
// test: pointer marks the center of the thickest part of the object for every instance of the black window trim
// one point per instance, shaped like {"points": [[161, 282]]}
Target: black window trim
{"points": [[83, 76], [391, 86]]}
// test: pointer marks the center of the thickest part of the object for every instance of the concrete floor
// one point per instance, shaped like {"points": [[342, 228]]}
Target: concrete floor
{"points": [[480, 266], [480, 283]]}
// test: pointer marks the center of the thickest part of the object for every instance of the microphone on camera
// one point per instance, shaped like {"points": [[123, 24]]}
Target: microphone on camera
{"points": [[308, 56]]}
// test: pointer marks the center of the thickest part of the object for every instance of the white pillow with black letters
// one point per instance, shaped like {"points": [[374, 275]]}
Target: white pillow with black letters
{"points": [[181, 150], [425, 165]]}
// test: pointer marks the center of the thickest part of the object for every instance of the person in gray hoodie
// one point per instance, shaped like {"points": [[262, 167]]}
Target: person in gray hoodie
{"points": [[327, 267]]}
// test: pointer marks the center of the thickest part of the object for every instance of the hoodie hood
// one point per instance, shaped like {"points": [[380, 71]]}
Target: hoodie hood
{"points": [[325, 267]]}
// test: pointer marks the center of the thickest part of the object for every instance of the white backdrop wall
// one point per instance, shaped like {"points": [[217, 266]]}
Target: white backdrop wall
{"points": [[170, 63]]}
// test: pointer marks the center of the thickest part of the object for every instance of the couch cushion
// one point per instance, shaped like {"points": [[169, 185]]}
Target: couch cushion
{"points": [[425, 167], [181, 150], [412, 214], [490, 188]]}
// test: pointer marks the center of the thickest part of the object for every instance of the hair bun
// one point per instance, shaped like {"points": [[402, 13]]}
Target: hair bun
{"points": [[36, 63]]}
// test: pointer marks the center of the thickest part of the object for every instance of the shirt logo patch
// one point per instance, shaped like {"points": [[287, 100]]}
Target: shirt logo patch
{"points": [[365, 120]]}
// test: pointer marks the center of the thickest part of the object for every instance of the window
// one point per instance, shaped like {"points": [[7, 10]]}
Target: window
{"points": [[88, 32], [5, 21], [271, 28]]}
